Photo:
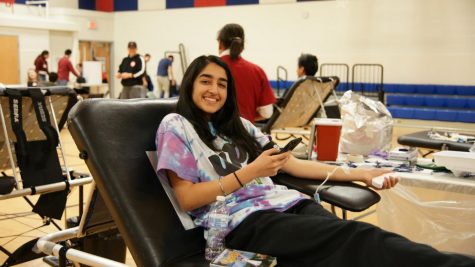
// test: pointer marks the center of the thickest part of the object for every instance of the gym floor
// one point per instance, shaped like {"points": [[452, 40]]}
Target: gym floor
{"points": [[19, 225]]}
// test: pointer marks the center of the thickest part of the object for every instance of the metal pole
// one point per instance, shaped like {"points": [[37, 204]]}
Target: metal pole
{"points": [[353, 78], [279, 79], [91, 198], [59, 139], [49, 188], [181, 47], [382, 83], [320, 100], [81, 200], [48, 246], [347, 76], [4, 250], [9, 149]]}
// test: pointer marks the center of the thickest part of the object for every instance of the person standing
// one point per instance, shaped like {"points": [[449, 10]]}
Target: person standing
{"points": [[254, 94], [165, 76], [65, 67], [147, 81], [41, 65], [131, 71]]}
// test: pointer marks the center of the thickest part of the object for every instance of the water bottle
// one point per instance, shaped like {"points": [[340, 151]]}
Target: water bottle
{"points": [[218, 218]]}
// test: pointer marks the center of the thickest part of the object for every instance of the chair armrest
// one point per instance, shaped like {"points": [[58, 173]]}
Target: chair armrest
{"points": [[48, 245], [346, 195], [421, 139]]}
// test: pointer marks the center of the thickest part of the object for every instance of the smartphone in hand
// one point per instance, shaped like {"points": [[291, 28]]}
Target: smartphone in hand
{"points": [[290, 145]]}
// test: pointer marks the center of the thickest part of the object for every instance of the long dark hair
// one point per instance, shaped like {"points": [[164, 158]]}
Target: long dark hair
{"points": [[232, 37], [226, 121]]}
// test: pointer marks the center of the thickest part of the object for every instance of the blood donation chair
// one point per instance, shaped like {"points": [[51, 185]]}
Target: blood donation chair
{"points": [[96, 233], [422, 139], [112, 137], [301, 103], [32, 158]]}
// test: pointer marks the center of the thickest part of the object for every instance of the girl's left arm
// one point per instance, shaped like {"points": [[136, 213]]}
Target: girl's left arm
{"points": [[309, 169]]}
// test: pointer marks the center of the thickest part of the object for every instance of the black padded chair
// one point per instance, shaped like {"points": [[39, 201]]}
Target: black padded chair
{"points": [[95, 233], [113, 136], [348, 196], [421, 139]]}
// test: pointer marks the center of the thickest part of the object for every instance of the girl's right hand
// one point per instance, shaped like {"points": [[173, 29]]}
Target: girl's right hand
{"points": [[269, 163]]}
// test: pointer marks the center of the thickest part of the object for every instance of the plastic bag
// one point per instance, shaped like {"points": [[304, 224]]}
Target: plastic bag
{"points": [[367, 125], [428, 211]]}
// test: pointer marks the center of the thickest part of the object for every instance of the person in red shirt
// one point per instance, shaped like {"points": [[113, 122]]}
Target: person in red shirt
{"points": [[254, 94], [65, 67], [41, 65]]}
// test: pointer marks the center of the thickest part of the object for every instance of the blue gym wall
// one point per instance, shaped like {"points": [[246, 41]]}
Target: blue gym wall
{"points": [[132, 5]]}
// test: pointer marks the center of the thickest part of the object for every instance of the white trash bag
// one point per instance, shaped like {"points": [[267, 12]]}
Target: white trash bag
{"points": [[367, 125]]}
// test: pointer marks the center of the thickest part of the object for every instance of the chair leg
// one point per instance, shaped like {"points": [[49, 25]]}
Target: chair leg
{"points": [[427, 153], [4, 250], [343, 212]]}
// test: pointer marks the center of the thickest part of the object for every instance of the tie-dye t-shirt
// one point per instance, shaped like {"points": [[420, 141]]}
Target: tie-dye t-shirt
{"points": [[180, 149]]}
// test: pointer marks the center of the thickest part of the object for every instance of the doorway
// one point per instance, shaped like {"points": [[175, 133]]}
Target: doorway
{"points": [[98, 51], [9, 60]]}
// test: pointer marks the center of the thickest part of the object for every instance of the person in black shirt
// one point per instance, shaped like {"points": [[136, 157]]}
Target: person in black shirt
{"points": [[131, 71]]}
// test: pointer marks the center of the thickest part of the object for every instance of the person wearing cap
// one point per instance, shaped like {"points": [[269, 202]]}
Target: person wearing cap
{"points": [[131, 71], [254, 94], [165, 76]]}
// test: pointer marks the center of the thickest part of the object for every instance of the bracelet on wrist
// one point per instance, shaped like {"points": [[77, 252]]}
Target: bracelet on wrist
{"points": [[221, 187], [237, 178]]}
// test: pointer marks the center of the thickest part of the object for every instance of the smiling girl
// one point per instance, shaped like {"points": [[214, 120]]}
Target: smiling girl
{"points": [[207, 150]]}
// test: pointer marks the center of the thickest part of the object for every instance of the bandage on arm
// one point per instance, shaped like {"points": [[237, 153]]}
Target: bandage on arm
{"points": [[266, 111]]}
